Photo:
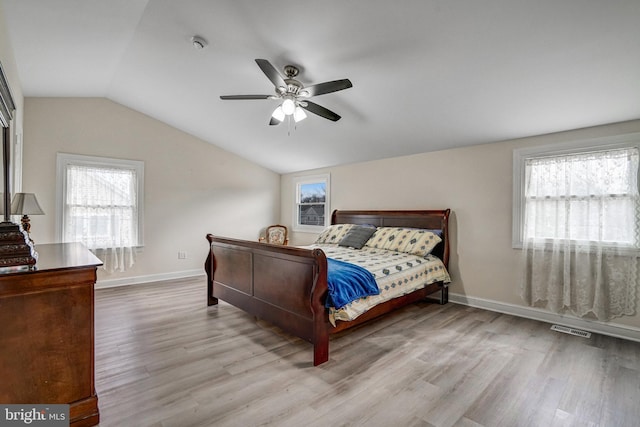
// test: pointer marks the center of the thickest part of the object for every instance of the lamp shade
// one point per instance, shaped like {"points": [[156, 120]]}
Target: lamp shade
{"points": [[25, 204], [288, 106], [299, 114], [278, 114]]}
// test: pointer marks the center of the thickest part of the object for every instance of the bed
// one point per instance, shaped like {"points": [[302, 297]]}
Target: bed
{"points": [[287, 286]]}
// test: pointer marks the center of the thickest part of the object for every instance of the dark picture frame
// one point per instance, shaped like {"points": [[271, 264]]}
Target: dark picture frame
{"points": [[16, 250]]}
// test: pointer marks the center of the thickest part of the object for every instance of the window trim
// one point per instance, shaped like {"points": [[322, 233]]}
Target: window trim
{"points": [[65, 159], [521, 155], [310, 179]]}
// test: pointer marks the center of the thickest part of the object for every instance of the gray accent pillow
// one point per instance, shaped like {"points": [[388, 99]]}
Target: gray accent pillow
{"points": [[357, 236]]}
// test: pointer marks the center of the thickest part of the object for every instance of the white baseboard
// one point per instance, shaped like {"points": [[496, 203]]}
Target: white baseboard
{"points": [[112, 283], [611, 329]]}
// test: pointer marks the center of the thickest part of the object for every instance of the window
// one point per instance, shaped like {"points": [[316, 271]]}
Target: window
{"points": [[311, 203], [582, 197], [582, 191], [578, 225], [100, 201]]}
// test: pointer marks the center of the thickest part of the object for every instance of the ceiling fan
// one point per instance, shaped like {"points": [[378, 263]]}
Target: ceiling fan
{"points": [[294, 95]]}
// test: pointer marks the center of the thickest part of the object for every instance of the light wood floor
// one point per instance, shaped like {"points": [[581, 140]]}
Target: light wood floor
{"points": [[163, 358]]}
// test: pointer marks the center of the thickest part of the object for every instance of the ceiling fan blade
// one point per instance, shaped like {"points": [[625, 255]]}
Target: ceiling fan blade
{"points": [[274, 122], [319, 110], [245, 96], [271, 73], [327, 87]]}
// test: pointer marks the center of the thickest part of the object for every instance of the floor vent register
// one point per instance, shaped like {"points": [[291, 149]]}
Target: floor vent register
{"points": [[571, 331]]}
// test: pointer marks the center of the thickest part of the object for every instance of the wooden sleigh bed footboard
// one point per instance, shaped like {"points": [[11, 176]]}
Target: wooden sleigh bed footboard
{"points": [[287, 286]]}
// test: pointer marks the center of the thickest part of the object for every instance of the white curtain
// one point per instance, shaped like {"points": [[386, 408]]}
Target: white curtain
{"points": [[101, 211], [581, 234]]}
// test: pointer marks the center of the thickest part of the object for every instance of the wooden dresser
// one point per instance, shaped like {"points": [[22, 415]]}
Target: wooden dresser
{"points": [[47, 332]]}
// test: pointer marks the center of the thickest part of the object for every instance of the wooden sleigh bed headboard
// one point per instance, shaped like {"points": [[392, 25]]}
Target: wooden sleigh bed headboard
{"points": [[429, 219], [287, 286]]}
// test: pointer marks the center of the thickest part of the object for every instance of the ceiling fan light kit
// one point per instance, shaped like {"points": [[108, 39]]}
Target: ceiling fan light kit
{"points": [[293, 94]]}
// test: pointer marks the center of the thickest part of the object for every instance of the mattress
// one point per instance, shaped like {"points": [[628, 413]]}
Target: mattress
{"points": [[396, 273]]}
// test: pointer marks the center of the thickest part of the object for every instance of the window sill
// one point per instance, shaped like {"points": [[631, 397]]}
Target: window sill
{"points": [[585, 246], [309, 229]]}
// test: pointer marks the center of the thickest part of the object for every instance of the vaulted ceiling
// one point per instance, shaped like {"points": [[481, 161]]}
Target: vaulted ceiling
{"points": [[427, 74]]}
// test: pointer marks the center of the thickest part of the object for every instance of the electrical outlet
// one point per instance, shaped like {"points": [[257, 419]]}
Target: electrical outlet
{"points": [[182, 255]]}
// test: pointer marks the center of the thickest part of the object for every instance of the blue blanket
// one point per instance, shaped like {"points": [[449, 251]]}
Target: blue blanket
{"points": [[348, 282]]}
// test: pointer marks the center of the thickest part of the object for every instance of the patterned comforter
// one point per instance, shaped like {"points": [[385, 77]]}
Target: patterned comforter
{"points": [[396, 274]]}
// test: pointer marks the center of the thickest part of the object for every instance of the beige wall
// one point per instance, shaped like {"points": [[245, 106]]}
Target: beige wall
{"points": [[191, 187], [475, 182]]}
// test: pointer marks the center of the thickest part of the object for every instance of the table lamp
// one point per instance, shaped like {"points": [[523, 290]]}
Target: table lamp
{"points": [[26, 204]]}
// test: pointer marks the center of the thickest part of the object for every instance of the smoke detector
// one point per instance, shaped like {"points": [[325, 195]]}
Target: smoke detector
{"points": [[198, 42]]}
